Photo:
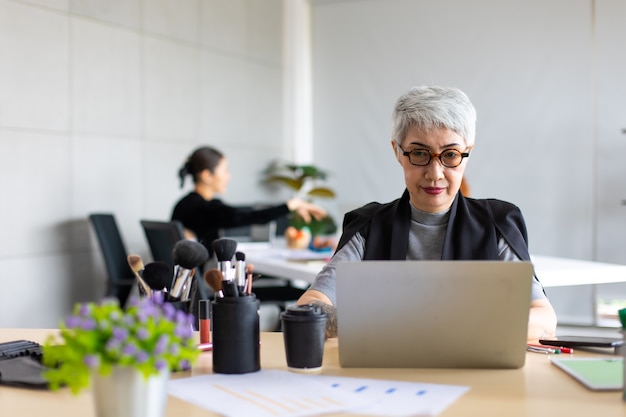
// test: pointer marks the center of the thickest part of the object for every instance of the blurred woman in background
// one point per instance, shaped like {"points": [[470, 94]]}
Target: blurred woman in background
{"points": [[203, 215]]}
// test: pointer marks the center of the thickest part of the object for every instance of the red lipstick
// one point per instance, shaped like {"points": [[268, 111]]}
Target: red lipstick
{"points": [[433, 190]]}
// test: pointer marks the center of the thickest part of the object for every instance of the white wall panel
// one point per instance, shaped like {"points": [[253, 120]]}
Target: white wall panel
{"points": [[106, 82], [171, 93], [34, 75], [100, 102], [35, 186], [224, 25], [177, 19], [119, 12], [525, 65]]}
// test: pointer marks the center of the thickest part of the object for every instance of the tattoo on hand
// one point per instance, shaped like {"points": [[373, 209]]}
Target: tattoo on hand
{"points": [[331, 318]]}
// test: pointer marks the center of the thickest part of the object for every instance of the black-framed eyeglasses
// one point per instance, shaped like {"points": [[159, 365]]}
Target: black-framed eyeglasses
{"points": [[450, 158]]}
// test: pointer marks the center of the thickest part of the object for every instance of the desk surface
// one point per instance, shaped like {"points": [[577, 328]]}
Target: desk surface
{"points": [[552, 271], [538, 389]]}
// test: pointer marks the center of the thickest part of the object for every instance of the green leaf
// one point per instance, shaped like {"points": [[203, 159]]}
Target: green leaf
{"points": [[321, 192], [292, 183], [324, 226]]}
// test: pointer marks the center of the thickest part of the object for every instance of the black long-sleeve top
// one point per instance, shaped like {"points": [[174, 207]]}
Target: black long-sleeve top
{"points": [[206, 217]]}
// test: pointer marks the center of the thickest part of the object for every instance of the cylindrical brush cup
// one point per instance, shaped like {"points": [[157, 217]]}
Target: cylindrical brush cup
{"points": [[235, 322], [190, 304]]}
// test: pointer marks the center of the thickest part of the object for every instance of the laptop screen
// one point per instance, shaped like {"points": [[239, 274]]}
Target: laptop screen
{"points": [[433, 314]]}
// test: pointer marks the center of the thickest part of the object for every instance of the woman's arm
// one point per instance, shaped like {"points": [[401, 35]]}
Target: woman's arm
{"points": [[318, 298], [305, 209], [541, 320]]}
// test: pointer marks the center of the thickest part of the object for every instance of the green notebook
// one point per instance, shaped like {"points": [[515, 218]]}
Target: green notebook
{"points": [[606, 374]]}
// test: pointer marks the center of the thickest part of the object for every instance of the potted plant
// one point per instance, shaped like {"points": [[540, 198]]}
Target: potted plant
{"points": [[305, 181], [121, 351]]}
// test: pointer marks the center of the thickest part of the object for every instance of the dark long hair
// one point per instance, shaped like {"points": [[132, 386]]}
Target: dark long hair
{"points": [[201, 159]]}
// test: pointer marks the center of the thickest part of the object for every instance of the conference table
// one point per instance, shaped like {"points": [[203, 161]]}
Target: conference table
{"points": [[537, 389], [275, 260]]}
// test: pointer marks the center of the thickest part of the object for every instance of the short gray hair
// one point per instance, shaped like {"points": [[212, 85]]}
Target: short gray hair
{"points": [[429, 107]]}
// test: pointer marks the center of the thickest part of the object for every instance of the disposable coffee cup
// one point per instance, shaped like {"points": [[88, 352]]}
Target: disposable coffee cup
{"points": [[304, 328]]}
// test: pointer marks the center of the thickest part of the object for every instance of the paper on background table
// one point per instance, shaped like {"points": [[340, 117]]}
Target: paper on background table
{"points": [[284, 394]]}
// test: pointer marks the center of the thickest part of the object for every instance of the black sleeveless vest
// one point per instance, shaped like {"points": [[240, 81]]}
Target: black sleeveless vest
{"points": [[472, 232]]}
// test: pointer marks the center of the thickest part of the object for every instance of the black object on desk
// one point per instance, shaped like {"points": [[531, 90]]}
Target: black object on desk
{"points": [[20, 364], [592, 343]]}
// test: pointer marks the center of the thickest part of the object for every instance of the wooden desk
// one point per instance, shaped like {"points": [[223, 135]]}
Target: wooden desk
{"points": [[538, 389]]}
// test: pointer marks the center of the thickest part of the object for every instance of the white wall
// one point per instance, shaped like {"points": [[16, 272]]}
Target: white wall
{"points": [[100, 103], [525, 65], [547, 80]]}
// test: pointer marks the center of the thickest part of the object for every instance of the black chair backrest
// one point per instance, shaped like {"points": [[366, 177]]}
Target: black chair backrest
{"points": [[120, 276], [161, 237]]}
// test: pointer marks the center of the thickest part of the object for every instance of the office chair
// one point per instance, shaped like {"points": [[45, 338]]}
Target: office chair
{"points": [[121, 278], [162, 236]]}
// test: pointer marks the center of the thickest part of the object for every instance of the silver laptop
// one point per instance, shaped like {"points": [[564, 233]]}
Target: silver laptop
{"points": [[433, 314]]}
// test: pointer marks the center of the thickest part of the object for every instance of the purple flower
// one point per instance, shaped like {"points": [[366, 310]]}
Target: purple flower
{"points": [[142, 356], [161, 345], [92, 361], [120, 333], [73, 322], [158, 297], [113, 345], [184, 365], [115, 315], [88, 324], [142, 333], [84, 310], [169, 311], [160, 364], [129, 349], [183, 330]]}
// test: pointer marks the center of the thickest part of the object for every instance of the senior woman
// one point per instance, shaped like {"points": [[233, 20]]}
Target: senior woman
{"points": [[432, 138]]}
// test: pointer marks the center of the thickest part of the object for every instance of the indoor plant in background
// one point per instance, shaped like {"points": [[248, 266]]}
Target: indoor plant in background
{"points": [[305, 181], [126, 355]]}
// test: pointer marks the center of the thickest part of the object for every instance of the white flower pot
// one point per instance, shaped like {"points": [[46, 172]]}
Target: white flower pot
{"points": [[126, 393]]}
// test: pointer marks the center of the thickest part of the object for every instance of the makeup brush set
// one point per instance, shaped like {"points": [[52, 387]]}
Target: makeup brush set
{"points": [[176, 285], [234, 312]]}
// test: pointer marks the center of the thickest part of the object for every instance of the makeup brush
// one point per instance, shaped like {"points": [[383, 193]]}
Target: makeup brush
{"points": [[187, 255], [158, 276], [213, 278], [224, 249], [240, 271], [136, 264]]}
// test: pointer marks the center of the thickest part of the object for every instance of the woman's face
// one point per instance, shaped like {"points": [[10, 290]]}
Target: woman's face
{"points": [[218, 180], [432, 188]]}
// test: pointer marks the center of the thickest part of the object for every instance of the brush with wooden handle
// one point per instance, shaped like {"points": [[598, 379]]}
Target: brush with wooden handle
{"points": [[213, 278], [136, 264]]}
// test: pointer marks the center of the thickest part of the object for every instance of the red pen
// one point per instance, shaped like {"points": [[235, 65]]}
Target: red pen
{"points": [[561, 349]]}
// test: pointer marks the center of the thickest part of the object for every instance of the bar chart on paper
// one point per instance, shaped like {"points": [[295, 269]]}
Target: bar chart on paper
{"points": [[264, 393], [275, 393]]}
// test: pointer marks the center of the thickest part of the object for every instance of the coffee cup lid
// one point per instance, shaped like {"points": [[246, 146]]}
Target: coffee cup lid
{"points": [[304, 310]]}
